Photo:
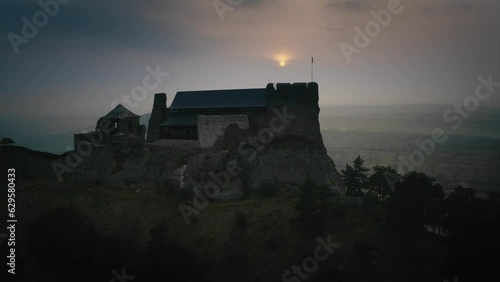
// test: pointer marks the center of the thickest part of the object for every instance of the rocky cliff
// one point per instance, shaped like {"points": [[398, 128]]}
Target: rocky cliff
{"points": [[233, 170]]}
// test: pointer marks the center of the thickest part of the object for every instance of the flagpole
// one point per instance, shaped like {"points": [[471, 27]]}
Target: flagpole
{"points": [[312, 69]]}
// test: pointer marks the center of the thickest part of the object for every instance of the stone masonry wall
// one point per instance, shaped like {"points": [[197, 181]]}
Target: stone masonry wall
{"points": [[211, 127], [299, 100], [177, 143], [157, 115]]}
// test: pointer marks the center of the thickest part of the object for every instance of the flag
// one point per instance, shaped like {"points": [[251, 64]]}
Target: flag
{"points": [[312, 60]]}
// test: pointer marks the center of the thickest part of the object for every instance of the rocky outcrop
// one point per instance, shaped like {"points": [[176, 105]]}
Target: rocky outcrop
{"points": [[283, 170], [226, 169]]}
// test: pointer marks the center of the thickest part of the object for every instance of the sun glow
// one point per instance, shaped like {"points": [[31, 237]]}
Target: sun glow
{"points": [[282, 59]]}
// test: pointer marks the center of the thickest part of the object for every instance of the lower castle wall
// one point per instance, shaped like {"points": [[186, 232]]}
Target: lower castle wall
{"points": [[125, 138], [177, 143]]}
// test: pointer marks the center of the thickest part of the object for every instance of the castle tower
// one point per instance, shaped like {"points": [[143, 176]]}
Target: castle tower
{"points": [[157, 115], [301, 101]]}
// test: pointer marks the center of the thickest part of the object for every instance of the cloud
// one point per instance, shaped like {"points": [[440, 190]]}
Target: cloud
{"points": [[465, 5], [100, 48], [110, 24], [252, 3], [432, 9], [350, 5]]}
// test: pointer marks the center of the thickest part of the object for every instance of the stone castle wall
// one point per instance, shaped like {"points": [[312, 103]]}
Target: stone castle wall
{"points": [[299, 100], [157, 115], [177, 143], [129, 126], [211, 127]]}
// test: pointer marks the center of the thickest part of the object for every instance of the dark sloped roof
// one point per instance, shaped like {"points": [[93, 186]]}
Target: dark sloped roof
{"points": [[119, 112], [187, 120], [6, 141], [219, 99]]}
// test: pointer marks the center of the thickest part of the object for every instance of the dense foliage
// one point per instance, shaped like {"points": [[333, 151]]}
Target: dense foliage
{"points": [[467, 222]]}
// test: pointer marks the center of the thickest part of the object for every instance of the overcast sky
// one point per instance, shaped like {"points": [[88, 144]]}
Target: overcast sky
{"points": [[91, 52]]}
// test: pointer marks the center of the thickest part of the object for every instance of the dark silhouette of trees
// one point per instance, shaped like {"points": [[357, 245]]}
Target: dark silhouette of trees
{"points": [[468, 224], [474, 228], [314, 204], [381, 182], [461, 205], [314, 199], [416, 201], [355, 178]]}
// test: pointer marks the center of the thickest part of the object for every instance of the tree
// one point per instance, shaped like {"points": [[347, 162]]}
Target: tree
{"points": [[355, 178], [461, 207], [314, 204], [381, 182], [349, 177], [474, 228], [314, 199], [416, 201]]}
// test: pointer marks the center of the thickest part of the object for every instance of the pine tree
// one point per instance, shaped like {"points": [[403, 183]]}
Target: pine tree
{"points": [[355, 178], [381, 182]]}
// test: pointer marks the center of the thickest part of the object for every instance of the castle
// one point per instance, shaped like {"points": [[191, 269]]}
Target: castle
{"points": [[199, 118], [267, 136]]}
